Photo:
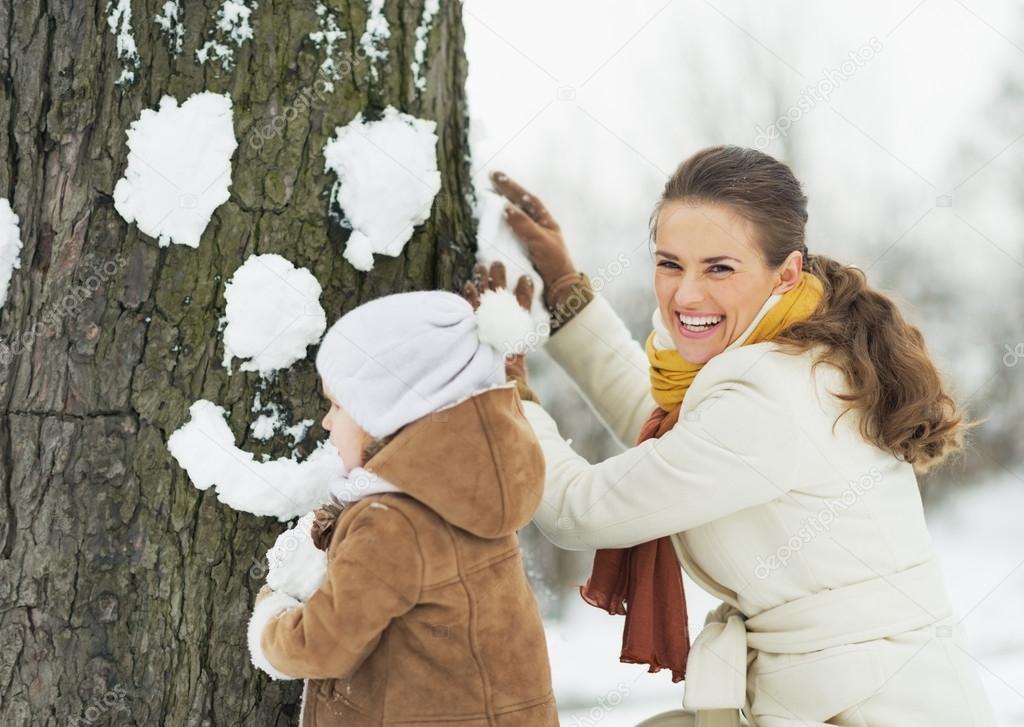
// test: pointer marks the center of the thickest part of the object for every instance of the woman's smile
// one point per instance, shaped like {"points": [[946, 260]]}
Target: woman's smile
{"points": [[698, 326]]}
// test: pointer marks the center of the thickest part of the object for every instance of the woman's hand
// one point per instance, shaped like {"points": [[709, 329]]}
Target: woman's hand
{"points": [[483, 280], [537, 230]]}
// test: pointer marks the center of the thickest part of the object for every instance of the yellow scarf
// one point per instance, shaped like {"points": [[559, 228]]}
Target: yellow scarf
{"points": [[671, 374]]}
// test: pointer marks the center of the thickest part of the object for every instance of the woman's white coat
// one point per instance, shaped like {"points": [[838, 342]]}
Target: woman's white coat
{"points": [[779, 510]]}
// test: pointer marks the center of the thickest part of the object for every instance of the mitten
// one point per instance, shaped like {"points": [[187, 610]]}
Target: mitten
{"points": [[296, 566]]}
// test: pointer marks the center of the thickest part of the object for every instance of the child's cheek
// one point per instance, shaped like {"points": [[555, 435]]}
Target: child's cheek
{"points": [[339, 443]]}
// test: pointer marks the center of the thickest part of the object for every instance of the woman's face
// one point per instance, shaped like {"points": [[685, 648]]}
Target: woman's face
{"points": [[708, 265], [346, 436]]}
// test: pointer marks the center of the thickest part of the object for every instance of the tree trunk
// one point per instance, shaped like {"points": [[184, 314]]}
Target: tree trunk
{"points": [[125, 591]]}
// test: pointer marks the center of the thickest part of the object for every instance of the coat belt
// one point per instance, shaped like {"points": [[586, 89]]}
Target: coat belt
{"points": [[716, 671]]}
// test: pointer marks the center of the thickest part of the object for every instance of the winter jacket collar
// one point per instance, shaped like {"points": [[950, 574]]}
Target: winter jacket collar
{"points": [[467, 463], [357, 484]]}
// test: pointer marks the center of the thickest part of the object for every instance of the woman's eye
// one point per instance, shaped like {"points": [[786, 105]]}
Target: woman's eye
{"points": [[717, 269]]}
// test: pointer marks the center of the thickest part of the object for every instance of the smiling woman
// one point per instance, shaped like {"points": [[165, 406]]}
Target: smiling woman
{"points": [[732, 416]]}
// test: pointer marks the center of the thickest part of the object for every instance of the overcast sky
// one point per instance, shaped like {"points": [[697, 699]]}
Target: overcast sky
{"points": [[593, 104]]}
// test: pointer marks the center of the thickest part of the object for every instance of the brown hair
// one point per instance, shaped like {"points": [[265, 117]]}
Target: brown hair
{"points": [[891, 378]]}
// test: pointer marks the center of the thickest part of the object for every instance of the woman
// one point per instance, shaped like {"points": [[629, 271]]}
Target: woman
{"points": [[792, 406]]}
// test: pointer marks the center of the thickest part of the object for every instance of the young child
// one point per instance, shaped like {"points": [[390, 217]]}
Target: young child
{"points": [[424, 615]]}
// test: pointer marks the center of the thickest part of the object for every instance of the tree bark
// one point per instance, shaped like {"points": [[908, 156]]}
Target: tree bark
{"points": [[124, 591]]}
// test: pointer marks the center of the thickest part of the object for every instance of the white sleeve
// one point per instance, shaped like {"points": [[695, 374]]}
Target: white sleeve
{"points": [[733, 448], [608, 366]]}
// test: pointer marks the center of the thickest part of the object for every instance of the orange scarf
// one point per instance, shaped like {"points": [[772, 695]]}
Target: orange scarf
{"points": [[645, 582]]}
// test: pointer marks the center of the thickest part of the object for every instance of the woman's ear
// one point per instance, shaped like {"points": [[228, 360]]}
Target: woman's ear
{"points": [[789, 273]]}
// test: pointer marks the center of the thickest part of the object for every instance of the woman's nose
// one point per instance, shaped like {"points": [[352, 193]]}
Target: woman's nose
{"points": [[688, 293], [326, 423]]}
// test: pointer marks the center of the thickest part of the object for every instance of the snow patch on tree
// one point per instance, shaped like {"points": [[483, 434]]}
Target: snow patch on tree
{"points": [[387, 181], [497, 242], [374, 39], [119, 20], [327, 38], [10, 247], [267, 424], [264, 426], [179, 167], [298, 430], [232, 28], [282, 488], [273, 313], [170, 22], [430, 8]]}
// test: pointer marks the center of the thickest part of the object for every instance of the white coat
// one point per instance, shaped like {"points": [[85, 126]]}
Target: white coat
{"points": [[834, 610]]}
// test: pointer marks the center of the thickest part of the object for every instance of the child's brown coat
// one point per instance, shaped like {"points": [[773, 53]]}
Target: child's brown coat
{"points": [[426, 616]]}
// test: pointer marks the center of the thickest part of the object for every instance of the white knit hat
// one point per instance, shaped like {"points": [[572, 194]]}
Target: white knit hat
{"points": [[400, 357]]}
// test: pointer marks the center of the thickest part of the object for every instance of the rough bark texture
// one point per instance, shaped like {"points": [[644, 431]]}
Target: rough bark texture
{"points": [[124, 591]]}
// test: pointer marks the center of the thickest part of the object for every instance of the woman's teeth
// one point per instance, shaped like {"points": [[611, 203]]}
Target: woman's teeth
{"points": [[699, 323]]}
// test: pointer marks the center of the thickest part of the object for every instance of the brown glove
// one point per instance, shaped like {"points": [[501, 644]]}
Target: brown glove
{"points": [[324, 519], [540, 234], [484, 279], [566, 291]]}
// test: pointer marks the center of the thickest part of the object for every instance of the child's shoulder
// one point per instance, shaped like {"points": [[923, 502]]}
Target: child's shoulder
{"points": [[374, 511]]}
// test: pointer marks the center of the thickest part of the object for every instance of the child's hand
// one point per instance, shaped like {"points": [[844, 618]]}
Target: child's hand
{"points": [[483, 280], [296, 565]]}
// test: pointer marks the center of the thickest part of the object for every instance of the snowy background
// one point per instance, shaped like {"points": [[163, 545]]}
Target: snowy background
{"points": [[911, 155]]}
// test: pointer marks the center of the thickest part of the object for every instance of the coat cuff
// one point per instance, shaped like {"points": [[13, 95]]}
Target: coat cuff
{"points": [[568, 295], [270, 607]]}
